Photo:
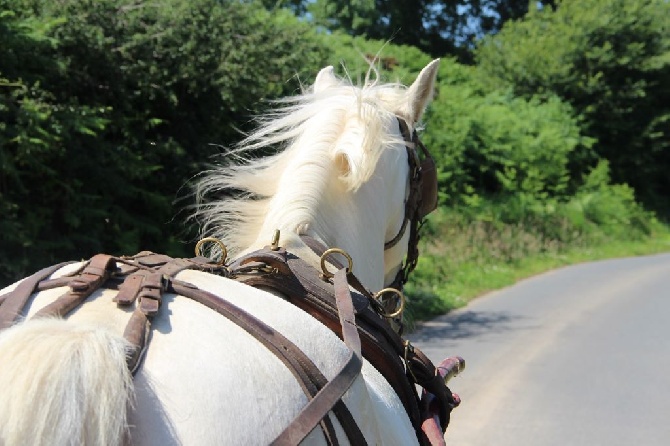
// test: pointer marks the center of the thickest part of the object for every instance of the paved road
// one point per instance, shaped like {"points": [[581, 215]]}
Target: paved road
{"points": [[577, 356]]}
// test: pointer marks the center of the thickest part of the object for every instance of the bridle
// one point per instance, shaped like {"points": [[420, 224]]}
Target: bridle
{"points": [[421, 200]]}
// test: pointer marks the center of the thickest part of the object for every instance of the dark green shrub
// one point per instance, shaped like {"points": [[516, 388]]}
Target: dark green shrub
{"points": [[108, 107]]}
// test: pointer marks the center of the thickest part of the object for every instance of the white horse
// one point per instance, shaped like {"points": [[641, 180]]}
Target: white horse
{"points": [[342, 178]]}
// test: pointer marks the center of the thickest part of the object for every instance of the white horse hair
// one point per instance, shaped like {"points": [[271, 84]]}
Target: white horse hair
{"points": [[341, 177]]}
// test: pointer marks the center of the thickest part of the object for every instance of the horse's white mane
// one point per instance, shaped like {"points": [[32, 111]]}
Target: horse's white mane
{"points": [[308, 131]]}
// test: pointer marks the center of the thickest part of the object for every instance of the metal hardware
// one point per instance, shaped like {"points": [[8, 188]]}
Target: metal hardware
{"points": [[327, 274], [274, 246], [216, 241], [409, 348], [401, 299]]}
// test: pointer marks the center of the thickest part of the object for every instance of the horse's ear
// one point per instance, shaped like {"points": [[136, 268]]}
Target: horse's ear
{"points": [[420, 92], [325, 79]]}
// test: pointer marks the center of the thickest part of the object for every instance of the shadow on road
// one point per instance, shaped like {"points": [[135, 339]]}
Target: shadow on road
{"points": [[466, 324]]}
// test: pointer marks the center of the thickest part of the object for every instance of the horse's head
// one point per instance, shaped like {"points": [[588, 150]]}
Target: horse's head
{"points": [[379, 161], [348, 175]]}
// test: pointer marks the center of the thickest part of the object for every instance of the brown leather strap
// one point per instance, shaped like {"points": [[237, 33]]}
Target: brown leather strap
{"points": [[433, 423], [421, 201], [130, 288], [431, 379], [381, 346], [151, 293], [15, 301], [148, 285], [345, 309], [302, 367], [81, 286], [138, 334], [321, 404], [332, 392], [380, 343]]}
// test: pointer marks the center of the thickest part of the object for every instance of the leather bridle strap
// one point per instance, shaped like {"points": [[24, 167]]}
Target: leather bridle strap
{"points": [[410, 204], [421, 200]]}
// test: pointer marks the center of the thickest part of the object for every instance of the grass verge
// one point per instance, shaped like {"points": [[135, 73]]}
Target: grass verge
{"points": [[461, 260]]}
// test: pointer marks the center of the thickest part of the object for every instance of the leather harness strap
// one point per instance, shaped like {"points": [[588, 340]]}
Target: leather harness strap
{"points": [[143, 284], [92, 277], [146, 284], [335, 389], [300, 284], [305, 371], [381, 346], [13, 303]]}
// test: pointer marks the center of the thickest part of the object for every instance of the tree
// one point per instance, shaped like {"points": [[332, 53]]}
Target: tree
{"points": [[35, 132], [610, 59], [108, 107], [438, 27]]}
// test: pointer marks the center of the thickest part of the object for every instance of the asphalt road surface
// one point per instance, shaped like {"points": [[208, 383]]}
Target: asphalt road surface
{"points": [[577, 356]]}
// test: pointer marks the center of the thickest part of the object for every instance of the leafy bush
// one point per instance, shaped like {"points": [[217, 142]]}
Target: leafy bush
{"points": [[108, 107], [353, 57], [610, 208], [495, 144], [473, 249], [610, 59]]}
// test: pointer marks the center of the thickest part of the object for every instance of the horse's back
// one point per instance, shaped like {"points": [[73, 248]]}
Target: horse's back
{"points": [[204, 380]]}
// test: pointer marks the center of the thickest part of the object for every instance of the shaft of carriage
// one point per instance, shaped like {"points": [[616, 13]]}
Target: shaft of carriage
{"points": [[430, 408]]}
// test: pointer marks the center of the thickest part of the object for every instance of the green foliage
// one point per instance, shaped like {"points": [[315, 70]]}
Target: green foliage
{"points": [[35, 128], [474, 249], [108, 107], [354, 56], [610, 59], [610, 208], [496, 144]]}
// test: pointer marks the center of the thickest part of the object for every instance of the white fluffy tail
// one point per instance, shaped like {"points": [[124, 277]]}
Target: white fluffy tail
{"points": [[63, 383]]}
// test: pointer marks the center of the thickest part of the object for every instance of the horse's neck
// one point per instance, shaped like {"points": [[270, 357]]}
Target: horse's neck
{"points": [[336, 225], [321, 207]]}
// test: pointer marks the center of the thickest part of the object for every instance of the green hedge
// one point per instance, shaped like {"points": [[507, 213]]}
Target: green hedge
{"points": [[108, 107], [609, 59]]}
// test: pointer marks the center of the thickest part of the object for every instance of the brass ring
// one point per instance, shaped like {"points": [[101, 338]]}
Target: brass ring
{"points": [[224, 250], [401, 297], [330, 251]]}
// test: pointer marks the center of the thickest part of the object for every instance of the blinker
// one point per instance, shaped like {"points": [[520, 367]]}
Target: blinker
{"points": [[422, 199], [428, 172]]}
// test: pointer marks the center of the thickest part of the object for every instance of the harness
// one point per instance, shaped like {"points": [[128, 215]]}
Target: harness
{"points": [[339, 301]]}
